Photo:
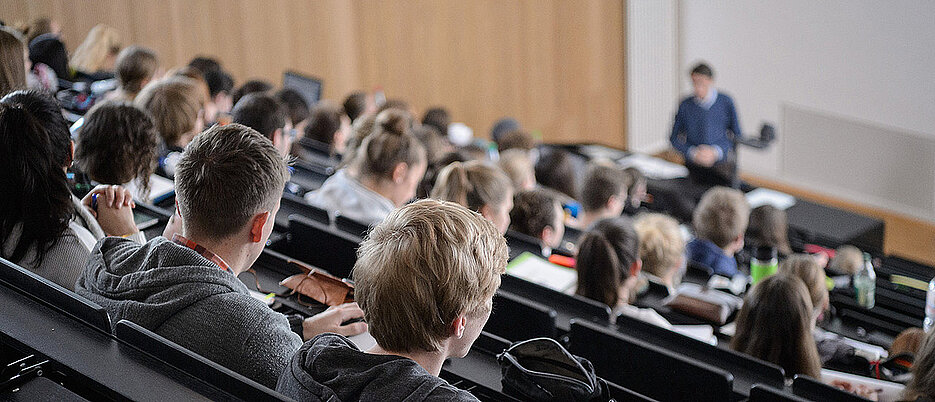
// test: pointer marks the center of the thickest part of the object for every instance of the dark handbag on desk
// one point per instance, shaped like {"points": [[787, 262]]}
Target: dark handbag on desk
{"points": [[320, 285], [704, 303], [542, 370]]}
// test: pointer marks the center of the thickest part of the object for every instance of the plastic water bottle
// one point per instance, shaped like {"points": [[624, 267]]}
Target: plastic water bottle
{"points": [[865, 283], [929, 307], [765, 262]]}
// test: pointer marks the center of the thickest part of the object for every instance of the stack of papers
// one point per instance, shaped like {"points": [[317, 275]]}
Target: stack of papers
{"points": [[654, 168], [765, 196], [535, 269]]}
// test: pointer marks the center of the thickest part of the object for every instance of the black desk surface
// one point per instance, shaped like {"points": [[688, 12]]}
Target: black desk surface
{"points": [[108, 366], [833, 227], [40, 389]]}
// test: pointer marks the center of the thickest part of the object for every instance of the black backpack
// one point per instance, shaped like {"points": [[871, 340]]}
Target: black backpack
{"points": [[541, 369]]}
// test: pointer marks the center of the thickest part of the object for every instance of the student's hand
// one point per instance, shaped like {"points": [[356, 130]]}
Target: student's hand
{"points": [[330, 321], [113, 196], [116, 221], [861, 390], [704, 155]]}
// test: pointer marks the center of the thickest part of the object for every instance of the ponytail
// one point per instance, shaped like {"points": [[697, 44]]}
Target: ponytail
{"points": [[453, 185], [390, 144], [605, 255], [599, 270]]}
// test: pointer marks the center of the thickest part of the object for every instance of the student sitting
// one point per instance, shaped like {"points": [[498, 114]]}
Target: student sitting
{"points": [[43, 227], [297, 108], [389, 165], [177, 107], [807, 269], [94, 58], [538, 214], [833, 350], [249, 87], [608, 265], [480, 187], [437, 118], [136, 66], [228, 188], [555, 170], [220, 84], [425, 279], [775, 324], [768, 228], [117, 144], [662, 249], [267, 116], [922, 385], [603, 194], [720, 220], [359, 104], [518, 167], [328, 129]]}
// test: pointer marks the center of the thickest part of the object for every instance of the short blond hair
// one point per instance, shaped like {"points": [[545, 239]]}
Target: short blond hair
{"points": [[661, 243], [721, 216], [806, 268], [518, 166], [847, 260], [423, 266]]}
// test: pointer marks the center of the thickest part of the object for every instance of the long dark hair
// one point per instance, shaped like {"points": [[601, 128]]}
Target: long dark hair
{"points": [[775, 324], [36, 191], [605, 254], [118, 143]]}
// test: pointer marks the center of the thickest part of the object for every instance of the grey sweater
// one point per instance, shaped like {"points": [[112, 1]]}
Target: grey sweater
{"points": [[330, 368], [175, 292]]}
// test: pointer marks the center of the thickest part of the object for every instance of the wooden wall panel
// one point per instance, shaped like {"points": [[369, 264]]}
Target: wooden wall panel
{"points": [[556, 65]]}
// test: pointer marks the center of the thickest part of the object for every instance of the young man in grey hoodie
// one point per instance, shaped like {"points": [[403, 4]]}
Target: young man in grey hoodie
{"points": [[425, 278], [228, 187]]}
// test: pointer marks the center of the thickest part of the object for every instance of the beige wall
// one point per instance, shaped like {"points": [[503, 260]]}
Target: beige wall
{"points": [[556, 65]]}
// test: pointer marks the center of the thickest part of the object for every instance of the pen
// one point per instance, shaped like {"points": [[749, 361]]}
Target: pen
{"points": [[94, 202]]}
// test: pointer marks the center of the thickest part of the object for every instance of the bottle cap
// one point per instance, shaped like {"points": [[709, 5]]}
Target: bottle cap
{"points": [[764, 253]]}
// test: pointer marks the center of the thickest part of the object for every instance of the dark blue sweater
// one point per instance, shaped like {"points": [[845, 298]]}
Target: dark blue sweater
{"points": [[709, 255], [695, 125]]}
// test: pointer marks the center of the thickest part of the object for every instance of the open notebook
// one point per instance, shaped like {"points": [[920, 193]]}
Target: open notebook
{"points": [[535, 269]]}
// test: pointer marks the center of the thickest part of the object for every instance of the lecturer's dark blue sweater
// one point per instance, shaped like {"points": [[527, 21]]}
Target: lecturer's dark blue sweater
{"points": [[695, 125]]}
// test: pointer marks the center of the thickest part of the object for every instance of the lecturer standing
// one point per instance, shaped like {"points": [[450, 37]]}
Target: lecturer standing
{"points": [[703, 131]]}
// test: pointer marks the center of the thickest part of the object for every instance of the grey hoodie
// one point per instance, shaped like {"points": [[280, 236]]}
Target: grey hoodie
{"points": [[331, 368], [175, 292]]}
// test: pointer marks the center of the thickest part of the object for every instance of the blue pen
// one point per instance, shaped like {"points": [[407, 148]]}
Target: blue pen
{"points": [[94, 202]]}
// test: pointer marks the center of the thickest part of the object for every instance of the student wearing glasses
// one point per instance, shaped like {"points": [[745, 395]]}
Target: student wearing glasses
{"points": [[228, 188]]}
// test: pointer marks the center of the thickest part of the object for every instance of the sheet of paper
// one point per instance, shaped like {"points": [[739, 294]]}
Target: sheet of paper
{"points": [[765, 196], [364, 341], [704, 333], [160, 188], [267, 299], [537, 270], [654, 168]]}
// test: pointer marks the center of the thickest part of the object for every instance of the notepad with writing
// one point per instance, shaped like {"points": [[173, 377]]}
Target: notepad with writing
{"points": [[535, 269]]}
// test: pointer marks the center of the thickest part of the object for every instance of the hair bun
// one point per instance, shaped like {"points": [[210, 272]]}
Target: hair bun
{"points": [[394, 121]]}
